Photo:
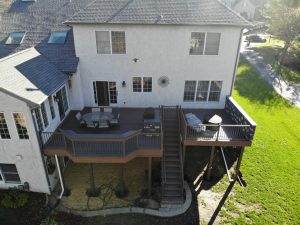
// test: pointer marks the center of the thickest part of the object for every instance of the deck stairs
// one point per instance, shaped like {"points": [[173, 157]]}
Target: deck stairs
{"points": [[172, 173]]}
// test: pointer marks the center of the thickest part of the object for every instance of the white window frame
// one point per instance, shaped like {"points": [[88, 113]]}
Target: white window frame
{"points": [[10, 182], [21, 139], [208, 92], [204, 48], [6, 139], [110, 42], [1, 174], [142, 84], [111, 104]]}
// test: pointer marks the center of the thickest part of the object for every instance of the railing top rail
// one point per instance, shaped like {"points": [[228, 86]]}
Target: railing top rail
{"points": [[125, 136]]}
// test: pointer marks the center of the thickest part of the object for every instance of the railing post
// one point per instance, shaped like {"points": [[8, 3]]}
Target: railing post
{"points": [[124, 150], [219, 127], [73, 147]]}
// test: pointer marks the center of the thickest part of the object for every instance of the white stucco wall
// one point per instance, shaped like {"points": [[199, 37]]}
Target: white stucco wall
{"points": [[247, 7], [162, 51], [30, 167]]}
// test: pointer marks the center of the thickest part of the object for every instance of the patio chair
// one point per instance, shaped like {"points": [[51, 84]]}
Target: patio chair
{"points": [[79, 118], [96, 109], [103, 124], [107, 109], [115, 121], [91, 124]]}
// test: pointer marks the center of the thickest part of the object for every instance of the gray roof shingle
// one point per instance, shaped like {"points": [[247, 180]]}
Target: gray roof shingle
{"points": [[189, 12], [38, 19], [30, 76]]}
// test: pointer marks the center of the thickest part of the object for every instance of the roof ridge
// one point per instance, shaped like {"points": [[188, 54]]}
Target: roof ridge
{"points": [[234, 12], [17, 53], [79, 11]]}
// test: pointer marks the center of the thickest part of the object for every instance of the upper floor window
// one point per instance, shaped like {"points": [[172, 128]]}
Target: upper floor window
{"points": [[202, 91], [205, 43], [44, 114], [51, 104], [38, 118], [9, 173], [58, 37], [142, 84], [110, 42], [21, 125], [4, 132], [15, 38]]}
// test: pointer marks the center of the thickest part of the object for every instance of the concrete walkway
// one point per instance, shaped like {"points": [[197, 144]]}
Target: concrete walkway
{"points": [[161, 212], [291, 92]]}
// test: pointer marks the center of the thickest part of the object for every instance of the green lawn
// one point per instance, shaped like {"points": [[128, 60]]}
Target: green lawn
{"points": [[270, 49], [271, 167]]}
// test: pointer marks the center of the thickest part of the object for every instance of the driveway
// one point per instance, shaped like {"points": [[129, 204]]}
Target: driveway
{"points": [[291, 92]]}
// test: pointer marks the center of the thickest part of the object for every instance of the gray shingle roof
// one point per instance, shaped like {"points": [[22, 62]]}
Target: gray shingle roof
{"points": [[150, 11], [30, 76], [38, 19]]}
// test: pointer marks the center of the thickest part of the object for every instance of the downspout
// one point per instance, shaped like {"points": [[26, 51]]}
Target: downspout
{"points": [[60, 178], [236, 61]]}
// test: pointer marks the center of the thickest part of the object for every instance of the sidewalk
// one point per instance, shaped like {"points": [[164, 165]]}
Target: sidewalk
{"points": [[291, 92]]}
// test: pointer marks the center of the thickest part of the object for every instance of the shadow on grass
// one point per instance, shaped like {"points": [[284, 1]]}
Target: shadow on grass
{"points": [[251, 86]]}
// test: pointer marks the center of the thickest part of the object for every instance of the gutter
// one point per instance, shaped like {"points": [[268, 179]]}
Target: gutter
{"points": [[236, 62]]}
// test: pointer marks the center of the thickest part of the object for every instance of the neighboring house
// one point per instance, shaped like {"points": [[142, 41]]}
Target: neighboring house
{"points": [[249, 9], [61, 57]]}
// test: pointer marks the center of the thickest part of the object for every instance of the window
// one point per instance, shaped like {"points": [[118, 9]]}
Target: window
{"points": [[113, 92], [65, 99], [9, 173], [202, 91], [4, 132], [118, 42], [205, 43], [21, 125], [147, 84], [57, 37], [51, 104], [38, 118], [189, 90], [15, 38], [197, 43], [215, 91], [142, 84], [212, 43], [44, 114], [110, 42], [137, 84]]}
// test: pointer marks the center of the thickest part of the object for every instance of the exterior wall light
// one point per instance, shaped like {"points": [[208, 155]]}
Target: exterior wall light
{"points": [[123, 84]]}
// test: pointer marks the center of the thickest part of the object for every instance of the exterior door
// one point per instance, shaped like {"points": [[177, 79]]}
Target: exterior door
{"points": [[60, 105], [102, 93]]}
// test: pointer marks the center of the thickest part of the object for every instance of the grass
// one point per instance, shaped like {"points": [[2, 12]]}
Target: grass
{"points": [[270, 50], [271, 166]]}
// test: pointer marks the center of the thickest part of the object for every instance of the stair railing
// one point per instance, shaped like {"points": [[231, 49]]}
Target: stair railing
{"points": [[163, 148], [178, 108]]}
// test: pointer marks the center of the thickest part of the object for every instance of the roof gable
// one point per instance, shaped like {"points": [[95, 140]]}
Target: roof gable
{"points": [[30, 76]]}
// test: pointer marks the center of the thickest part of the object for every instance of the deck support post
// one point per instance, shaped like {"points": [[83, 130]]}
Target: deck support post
{"points": [[92, 191], [239, 162], [149, 176], [210, 163], [60, 177], [122, 186]]}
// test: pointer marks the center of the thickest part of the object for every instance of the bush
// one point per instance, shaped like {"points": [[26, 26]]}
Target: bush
{"points": [[14, 199], [50, 221]]}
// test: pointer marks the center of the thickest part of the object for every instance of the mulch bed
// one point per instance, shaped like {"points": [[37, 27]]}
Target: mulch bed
{"points": [[31, 214]]}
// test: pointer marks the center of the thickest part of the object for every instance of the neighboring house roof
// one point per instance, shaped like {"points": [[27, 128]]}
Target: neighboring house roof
{"points": [[189, 12], [29, 76], [38, 19]]}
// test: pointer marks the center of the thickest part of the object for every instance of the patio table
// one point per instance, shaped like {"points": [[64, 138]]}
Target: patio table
{"points": [[97, 116]]}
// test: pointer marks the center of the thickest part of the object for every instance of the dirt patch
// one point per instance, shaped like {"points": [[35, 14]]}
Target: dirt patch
{"points": [[246, 208], [208, 201]]}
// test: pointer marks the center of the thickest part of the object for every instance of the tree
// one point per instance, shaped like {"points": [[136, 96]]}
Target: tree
{"points": [[284, 20]]}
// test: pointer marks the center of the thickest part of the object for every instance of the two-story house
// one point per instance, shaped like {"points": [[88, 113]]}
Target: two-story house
{"points": [[76, 78]]}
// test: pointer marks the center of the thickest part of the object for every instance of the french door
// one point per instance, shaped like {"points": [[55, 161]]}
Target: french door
{"points": [[105, 92]]}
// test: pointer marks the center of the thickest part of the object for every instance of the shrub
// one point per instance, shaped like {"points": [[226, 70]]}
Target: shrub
{"points": [[14, 199], [49, 221]]}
